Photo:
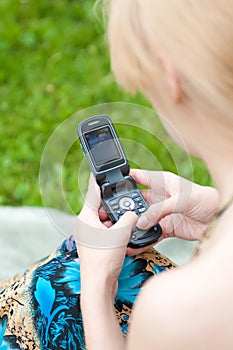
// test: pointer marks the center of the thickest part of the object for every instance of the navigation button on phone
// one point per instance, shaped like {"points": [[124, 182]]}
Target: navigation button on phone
{"points": [[127, 203]]}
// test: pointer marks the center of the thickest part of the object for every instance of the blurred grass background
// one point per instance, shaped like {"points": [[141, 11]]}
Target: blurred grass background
{"points": [[54, 61]]}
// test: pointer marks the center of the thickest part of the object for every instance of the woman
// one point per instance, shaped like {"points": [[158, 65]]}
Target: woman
{"points": [[179, 54]]}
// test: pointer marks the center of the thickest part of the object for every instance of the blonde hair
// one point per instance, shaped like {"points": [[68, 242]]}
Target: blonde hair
{"points": [[197, 36]]}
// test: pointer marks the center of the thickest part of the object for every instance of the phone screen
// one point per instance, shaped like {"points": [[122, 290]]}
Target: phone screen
{"points": [[102, 146]]}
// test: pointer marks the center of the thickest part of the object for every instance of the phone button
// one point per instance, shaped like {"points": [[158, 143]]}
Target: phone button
{"points": [[141, 210], [127, 203], [114, 201], [133, 236]]}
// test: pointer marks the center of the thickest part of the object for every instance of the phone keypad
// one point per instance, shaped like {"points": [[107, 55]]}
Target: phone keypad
{"points": [[131, 202]]}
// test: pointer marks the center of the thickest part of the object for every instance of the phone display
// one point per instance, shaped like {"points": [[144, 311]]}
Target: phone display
{"points": [[102, 146], [110, 167]]}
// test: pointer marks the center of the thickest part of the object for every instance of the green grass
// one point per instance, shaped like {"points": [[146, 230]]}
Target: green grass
{"points": [[54, 61]]}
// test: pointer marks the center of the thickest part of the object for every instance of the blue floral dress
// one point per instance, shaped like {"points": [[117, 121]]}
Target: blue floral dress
{"points": [[40, 308]]}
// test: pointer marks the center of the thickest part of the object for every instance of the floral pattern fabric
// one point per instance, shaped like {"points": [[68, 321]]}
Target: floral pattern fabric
{"points": [[40, 308]]}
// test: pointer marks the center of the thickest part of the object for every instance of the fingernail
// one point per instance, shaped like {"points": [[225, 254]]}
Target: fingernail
{"points": [[143, 222]]}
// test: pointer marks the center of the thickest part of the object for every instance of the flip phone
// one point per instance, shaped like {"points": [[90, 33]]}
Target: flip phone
{"points": [[107, 160]]}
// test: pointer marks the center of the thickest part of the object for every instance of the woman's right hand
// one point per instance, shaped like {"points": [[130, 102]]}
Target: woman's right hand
{"points": [[183, 209]]}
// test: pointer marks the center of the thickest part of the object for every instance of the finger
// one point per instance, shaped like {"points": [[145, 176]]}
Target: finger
{"points": [[129, 219], [91, 235], [148, 195], [158, 211], [133, 251], [141, 177], [103, 215], [155, 180], [126, 225], [94, 235], [107, 223], [89, 212], [93, 198], [167, 226], [177, 225]]}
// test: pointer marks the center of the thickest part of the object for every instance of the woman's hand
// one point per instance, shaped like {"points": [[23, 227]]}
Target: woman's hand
{"points": [[101, 250], [182, 208]]}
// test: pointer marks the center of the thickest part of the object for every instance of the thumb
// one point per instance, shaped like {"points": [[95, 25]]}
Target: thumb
{"points": [[93, 198], [158, 211], [126, 225]]}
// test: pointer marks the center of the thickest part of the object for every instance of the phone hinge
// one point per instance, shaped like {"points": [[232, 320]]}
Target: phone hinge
{"points": [[114, 176]]}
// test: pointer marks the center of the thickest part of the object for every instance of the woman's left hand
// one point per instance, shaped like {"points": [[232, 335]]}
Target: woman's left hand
{"points": [[101, 250]]}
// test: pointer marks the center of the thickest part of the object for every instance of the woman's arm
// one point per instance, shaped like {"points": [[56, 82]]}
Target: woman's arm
{"points": [[101, 327], [101, 252]]}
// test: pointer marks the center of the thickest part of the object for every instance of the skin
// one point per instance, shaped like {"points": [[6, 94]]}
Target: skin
{"points": [[190, 307]]}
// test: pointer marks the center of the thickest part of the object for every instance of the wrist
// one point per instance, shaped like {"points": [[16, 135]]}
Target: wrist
{"points": [[97, 300], [99, 287], [99, 318]]}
